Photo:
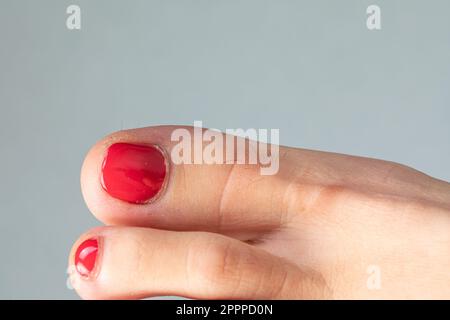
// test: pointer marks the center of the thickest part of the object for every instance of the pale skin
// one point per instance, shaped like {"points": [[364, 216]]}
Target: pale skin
{"points": [[321, 228]]}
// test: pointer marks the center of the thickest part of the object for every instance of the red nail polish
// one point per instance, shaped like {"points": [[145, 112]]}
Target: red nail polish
{"points": [[85, 256], [133, 173]]}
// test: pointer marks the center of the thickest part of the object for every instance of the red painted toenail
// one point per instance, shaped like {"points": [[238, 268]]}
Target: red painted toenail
{"points": [[85, 256], [133, 173]]}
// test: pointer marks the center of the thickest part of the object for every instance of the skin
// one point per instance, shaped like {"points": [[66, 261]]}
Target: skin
{"points": [[324, 227]]}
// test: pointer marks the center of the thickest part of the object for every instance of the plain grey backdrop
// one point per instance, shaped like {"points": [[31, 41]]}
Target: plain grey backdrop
{"points": [[310, 68]]}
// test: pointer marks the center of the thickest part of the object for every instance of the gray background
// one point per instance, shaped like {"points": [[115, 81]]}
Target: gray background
{"points": [[309, 68]]}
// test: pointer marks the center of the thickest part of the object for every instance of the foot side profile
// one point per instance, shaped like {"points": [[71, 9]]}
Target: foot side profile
{"points": [[324, 226]]}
